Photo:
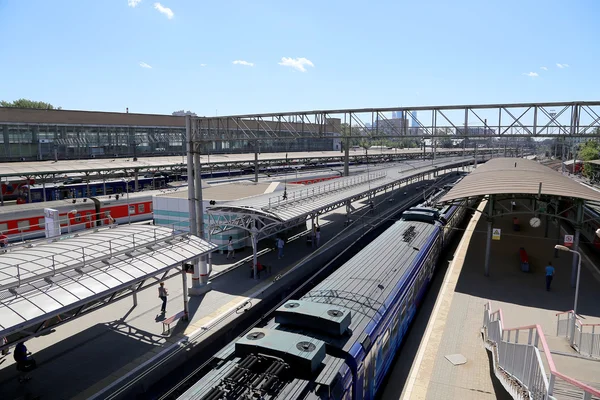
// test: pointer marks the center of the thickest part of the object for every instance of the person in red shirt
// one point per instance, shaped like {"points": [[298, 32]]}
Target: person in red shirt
{"points": [[3, 241]]}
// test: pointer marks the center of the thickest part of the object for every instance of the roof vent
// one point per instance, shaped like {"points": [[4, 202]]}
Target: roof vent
{"points": [[327, 318], [302, 353]]}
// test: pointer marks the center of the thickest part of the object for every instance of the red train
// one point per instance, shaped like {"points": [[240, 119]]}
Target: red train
{"points": [[26, 221]]}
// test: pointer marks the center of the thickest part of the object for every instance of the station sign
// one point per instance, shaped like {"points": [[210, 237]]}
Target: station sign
{"points": [[496, 233], [568, 240]]}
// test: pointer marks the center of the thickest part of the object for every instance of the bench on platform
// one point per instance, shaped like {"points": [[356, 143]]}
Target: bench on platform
{"points": [[524, 260], [167, 322]]}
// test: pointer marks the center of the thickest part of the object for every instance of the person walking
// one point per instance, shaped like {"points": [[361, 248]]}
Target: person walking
{"points": [[280, 244], [230, 250], [162, 294], [549, 275], [318, 235]]}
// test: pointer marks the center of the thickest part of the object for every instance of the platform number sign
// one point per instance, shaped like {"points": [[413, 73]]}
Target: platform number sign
{"points": [[568, 240], [496, 233]]}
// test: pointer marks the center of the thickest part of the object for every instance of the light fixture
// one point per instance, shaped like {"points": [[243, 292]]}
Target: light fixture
{"points": [[561, 247]]}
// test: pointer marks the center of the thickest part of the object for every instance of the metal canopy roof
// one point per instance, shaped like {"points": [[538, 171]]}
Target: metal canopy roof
{"points": [[71, 276], [272, 209], [518, 176], [38, 168]]}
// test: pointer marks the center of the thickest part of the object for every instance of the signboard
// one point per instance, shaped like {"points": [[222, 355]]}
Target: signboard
{"points": [[568, 240], [51, 222], [496, 233]]}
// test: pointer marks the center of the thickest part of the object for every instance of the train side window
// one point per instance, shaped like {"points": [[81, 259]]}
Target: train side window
{"points": [[386, 344], [3, 228], [141, 208], [42, 222], [109, 190], [395, 328], [24, 224]]}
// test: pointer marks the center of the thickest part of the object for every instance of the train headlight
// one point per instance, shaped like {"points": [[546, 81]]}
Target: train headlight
{"points": [[598, 232]]}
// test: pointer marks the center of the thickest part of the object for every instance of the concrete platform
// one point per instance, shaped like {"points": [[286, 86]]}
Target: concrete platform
{"points": [[455, 323], [82, 357]]}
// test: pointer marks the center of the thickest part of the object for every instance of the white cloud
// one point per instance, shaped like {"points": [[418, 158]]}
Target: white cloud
{"points": [[561, 66], [133, 3], [531, 74], [297, 63], [203, 65], [242, 62], [544, 68], [164, 10], [144, 65]]}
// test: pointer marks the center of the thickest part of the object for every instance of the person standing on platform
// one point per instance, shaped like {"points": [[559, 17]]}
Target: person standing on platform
{"points": [[549, 275], [280, 244], [230, 250], [162, 294], [318, 235]]}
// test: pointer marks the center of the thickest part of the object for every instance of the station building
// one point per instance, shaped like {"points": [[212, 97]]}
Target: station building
{"points": [[33, 134]]}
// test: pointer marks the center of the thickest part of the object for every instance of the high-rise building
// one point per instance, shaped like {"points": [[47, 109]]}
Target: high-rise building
{"points": [[413, 122]]}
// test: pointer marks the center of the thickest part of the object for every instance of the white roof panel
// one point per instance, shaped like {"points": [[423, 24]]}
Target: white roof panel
{"points": [[306, 200], [44, 288]]}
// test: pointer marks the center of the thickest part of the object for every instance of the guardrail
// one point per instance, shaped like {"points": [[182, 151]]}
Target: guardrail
{"points": [[14, 275], [587, 336], [518, 364], [296, 195]]}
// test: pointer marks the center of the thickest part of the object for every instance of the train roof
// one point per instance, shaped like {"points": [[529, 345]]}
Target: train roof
{"points": [[56, 204], [364, 282]]}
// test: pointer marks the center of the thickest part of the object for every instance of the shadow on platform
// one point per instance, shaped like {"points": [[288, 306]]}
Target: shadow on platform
{"points": [[76, 363], [507, 283]]}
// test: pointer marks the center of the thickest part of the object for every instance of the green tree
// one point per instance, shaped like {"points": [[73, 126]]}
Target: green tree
{"points": [[588, 152], [26, 103]]}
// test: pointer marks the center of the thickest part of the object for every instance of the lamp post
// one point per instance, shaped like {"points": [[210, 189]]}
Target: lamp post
{"points": [[565, 248]]}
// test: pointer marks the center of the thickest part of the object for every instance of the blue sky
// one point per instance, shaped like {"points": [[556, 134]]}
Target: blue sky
{"points": [[87, 54]]}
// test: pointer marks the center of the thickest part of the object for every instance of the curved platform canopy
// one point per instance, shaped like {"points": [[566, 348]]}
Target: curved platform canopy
{"points": [[273, 210], [518, 176], [53, 282]]}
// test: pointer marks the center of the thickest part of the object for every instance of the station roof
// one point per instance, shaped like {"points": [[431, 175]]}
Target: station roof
{"points": [[319, 196], [39, 168], [52, 279], [518, 176]]}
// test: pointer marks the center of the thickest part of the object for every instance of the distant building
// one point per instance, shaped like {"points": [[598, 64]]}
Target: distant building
{"points": [[413, 122], [33, 134], [475, 131]]}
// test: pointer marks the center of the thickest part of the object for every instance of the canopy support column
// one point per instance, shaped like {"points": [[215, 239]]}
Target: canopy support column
{"points": [[488, 243], [200, 276], [256, 161], [186, 307], [576, 242], [347, 157], [254, 237]]}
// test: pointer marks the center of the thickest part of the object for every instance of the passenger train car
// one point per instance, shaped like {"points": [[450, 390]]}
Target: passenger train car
{"points": [[338, 341], [27, 221]]}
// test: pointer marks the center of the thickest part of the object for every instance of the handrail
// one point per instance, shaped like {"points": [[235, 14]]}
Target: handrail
{"points": [[587, 343], [578, 319], [588, 391]]}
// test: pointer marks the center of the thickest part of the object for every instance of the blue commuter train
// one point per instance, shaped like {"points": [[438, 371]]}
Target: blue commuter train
{"points": [[339, 340]]}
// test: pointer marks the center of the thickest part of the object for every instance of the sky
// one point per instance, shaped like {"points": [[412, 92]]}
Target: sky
{"points": [[240, 56]]}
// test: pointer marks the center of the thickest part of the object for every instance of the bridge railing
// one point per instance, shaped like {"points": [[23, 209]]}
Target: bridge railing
{"points": [[586, 338], [518, 364], [296, 195]]}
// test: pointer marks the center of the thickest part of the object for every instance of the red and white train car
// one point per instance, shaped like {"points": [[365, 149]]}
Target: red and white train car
{"points": [[26, 221]]}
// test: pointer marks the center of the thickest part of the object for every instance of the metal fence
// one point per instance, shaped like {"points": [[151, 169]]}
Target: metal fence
{"points": [[519, 366], [587, 336]]}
